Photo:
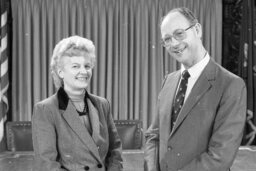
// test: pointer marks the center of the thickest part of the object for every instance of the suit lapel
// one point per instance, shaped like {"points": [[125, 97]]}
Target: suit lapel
{"points": [[201, 86], [77, 126], [95, 122], [166, 100]]}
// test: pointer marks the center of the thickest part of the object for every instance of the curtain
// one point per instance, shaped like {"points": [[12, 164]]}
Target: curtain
{"points": [[131, 63], [247, 66]]}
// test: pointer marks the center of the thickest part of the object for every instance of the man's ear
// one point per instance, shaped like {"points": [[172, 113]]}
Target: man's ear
{"points": [[198, 29]]}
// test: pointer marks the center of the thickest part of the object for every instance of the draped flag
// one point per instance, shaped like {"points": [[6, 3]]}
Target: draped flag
{"points": [[4, 82]]}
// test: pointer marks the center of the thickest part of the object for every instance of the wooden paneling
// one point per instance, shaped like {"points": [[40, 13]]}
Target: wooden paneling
{"points": [[232, 14]]}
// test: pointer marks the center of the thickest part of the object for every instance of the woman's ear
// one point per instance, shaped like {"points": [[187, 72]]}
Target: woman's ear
{"points": [[60, 73]]}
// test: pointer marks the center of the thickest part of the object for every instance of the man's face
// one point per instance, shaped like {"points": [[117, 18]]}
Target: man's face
{"points": [[185, 50]]}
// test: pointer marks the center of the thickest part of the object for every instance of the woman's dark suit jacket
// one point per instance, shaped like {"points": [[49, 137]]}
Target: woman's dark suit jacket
{"points": [[61, 141]]}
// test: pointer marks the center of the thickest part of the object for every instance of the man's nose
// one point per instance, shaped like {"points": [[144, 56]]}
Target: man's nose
{"points": [[174, 42]]}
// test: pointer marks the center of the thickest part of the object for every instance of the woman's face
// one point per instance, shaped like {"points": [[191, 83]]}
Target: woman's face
{"points": [[76, 72]]}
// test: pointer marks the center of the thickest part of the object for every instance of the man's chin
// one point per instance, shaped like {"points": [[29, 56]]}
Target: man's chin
{"points": [[178, 56]]}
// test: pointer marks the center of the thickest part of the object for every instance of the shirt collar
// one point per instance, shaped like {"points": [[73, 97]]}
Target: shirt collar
{"points": [[197, 69]]}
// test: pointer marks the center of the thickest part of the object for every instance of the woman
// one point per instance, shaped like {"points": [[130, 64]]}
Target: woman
{"points": [[73, 130]]}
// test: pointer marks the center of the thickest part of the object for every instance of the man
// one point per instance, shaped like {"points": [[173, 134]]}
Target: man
{"points": [[201, 114]]}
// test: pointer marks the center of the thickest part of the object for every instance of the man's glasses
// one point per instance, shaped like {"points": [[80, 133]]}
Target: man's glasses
{"points": [[179, 34]]}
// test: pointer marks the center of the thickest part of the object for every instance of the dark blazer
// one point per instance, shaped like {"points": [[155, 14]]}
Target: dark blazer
{"points": [[61, 141], [209, 129]]}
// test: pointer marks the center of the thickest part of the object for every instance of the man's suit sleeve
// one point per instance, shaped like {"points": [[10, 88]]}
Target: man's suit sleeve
{"points": [[152, 147], [44, 140], [151, 156], [227, 131]]}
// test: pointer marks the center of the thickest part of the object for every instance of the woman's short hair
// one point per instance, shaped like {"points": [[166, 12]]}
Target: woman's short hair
{"points": [[71, 46]]}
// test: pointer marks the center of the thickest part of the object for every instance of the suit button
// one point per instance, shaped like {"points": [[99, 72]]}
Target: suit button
{"points": [[169, 148], [86, 167], [99, 165], [178, 154]]}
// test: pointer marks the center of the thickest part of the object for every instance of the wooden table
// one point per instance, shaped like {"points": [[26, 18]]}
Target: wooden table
{"points": [[245, 159], [23, 161], [133, 160]]}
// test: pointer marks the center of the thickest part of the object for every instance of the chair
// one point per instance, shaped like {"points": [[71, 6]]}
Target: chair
{"points": [[19, 136], [130, 132]]}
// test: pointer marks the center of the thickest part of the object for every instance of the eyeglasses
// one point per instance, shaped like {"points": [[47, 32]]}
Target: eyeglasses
{"points": [[179, 34]]}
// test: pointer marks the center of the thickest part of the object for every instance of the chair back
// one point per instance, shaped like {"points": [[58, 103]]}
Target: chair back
{"points": [[19, 136], [130, 132]]}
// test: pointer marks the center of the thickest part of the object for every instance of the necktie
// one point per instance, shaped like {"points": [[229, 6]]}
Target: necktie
{"points": [[179, 99]]}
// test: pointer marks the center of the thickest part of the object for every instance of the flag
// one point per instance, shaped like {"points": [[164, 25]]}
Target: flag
{"points": [[4, 79]]}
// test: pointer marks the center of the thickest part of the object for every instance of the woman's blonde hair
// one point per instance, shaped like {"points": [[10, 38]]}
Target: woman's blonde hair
{"points": [[71, 46]]}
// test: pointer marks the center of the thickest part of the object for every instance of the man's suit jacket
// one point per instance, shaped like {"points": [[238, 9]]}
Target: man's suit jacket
{"points": [[209, 128], [61, 141]]}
